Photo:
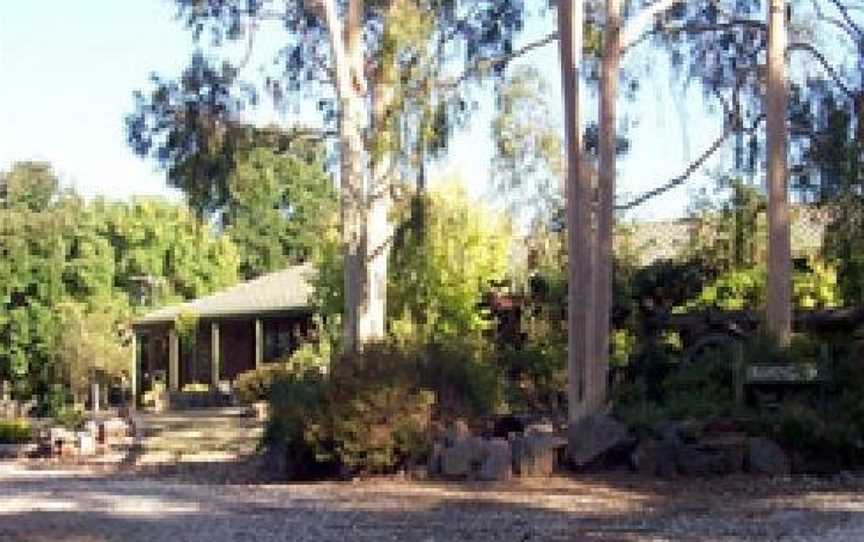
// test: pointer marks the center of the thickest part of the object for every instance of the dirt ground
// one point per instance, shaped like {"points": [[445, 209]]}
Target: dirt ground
{"points": [[67, 505]]}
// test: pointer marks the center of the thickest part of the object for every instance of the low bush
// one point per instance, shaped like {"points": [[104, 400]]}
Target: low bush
{"points": [[255, 385], [15, 432], [70, 418], [373, 412]]}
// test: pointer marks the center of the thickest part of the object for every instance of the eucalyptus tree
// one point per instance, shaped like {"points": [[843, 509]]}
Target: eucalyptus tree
{"points": [[368, 65]]}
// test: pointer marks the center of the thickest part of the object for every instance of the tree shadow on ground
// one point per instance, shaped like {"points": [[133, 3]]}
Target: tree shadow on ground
{"points": [[607, 507]]}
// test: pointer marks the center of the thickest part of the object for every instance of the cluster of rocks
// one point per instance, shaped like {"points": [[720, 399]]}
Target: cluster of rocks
{"points": [[689, 449], [96, 437], [535, 451]]}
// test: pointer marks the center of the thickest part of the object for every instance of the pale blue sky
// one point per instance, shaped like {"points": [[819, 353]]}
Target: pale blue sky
{"points": [[69, 68]]}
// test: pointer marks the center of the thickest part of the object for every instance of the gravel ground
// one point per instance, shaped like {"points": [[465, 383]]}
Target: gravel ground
{"points": [[64, 505]]}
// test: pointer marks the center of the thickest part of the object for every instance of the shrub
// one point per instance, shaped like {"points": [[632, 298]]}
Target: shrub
{"points": [[15, 432], [70, 418], [255, 385], [373, 411]]}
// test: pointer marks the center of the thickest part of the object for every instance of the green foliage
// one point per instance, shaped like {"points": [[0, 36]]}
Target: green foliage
{"points": [[256, 385], [438, 273], [70, 418], [844, 247], [745, 289], [372, 412], [28, 185], [186, 326], [279, 205], [15, 432], [91, 343], [73, 274], [527, 165]]}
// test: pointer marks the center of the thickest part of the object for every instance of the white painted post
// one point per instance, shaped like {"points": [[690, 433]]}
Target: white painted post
{"points": [[173, 361], [94, 396], [214, 355], [259, 343], [133, 375]]}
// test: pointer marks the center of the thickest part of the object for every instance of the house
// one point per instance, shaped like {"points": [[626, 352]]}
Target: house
{"points": [[211, 340]]}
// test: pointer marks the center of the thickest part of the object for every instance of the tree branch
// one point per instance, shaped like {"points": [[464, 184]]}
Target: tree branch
{"points": [[635, 29], [487, 63], [695, 28], [850, 31], [844, 12], [800, 46], [691, 168]]}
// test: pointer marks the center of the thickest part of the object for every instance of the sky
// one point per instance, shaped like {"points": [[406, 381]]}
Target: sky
{"points": [[69, 69]]}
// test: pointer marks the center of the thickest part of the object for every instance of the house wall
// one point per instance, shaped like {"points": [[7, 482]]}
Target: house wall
{"points": [[284, 333]]}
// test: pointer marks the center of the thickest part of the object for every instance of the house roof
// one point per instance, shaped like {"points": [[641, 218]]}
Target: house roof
{"points": [[282, 291]]}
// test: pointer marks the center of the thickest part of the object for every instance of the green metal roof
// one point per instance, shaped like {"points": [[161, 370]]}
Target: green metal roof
{"points": [[281, 291]]}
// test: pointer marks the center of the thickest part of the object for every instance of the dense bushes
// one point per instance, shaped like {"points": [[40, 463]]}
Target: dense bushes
{"points": [[15, 432], [819, 422], [375, 411]]}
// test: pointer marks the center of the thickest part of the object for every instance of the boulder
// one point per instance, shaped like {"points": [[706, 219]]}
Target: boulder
{"points": [[457, 432], [463, 458], [112, 431], [715, 454], [497, 463], [433, 467], [589, 439], [654, 457], [764, 456], [534, 455], [86, 444]]}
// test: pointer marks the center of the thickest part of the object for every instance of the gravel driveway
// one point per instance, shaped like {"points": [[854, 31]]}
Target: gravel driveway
{"points": [[58, 505]]}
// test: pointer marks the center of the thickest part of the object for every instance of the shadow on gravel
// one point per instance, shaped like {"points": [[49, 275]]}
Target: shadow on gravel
{"points": [[585, 508]]}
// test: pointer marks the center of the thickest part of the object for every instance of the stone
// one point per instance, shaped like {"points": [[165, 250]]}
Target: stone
{"points": [[112, 431], [653, 457], [462, 458], [534, 455], [86, 443], [539, 428], [764, 456], [498, 462], [433, 466], [457, 432], [589, 439], [715, 454]]}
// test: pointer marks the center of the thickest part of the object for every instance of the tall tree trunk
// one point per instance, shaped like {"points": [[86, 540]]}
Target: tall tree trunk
{"points": [[377, 240], [346, 45], [580, 289], [779, 302], [606, 182]]}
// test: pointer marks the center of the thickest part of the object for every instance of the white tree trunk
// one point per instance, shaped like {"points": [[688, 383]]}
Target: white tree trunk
{"points": [[779, 302], [606, 185], [580, 344], [346, 44]]}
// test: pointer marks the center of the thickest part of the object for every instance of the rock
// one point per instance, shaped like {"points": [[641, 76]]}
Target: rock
{"points": [[544, 428], [504, 426], [715, 454], [434, 465], [112, 431], [653, 457], [764, 456], [86, 444], [259, 410], [534, 455], [590, 438], [462, 458], [498, 462]]}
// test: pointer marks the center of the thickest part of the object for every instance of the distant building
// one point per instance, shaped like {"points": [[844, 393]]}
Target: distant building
{"points": [[235, 330]]}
